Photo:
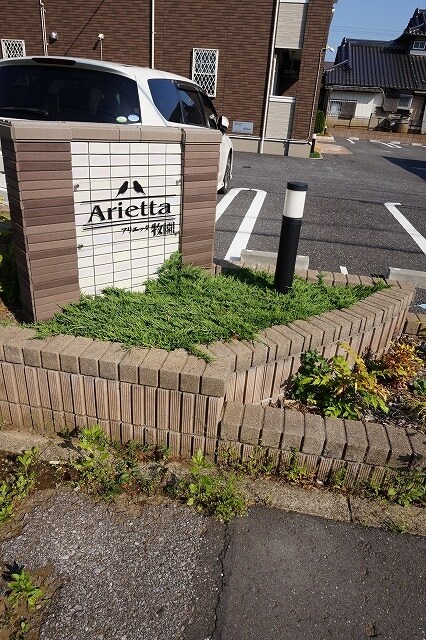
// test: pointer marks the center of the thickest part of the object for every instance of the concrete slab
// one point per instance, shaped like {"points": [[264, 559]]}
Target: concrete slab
{"points": [[416, 278], [250, 256]]}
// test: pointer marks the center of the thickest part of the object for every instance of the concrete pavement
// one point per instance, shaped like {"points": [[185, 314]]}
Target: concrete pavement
{"points": [[297, 577]]}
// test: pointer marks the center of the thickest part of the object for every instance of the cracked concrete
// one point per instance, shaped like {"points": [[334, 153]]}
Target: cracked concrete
{"points": [[299, 567]]}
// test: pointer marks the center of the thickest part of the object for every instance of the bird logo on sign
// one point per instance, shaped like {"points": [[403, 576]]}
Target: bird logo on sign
{"points": [[137, 187]]}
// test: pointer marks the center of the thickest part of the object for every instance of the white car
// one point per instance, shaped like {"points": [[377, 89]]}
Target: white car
{"points": [[79, 90]]}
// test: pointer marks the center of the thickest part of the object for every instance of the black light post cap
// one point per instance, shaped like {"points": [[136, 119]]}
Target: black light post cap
{"points": [[297, 186]]}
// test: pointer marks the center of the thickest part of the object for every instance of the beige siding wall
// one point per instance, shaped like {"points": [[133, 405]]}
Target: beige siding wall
{"points": [[291, 25], [416, 108], [366, 102], [280, 119]]}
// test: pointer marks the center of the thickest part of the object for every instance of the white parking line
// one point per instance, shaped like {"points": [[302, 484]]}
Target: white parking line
{"points": [[344, 271], [392, 145], [417, 237], [243, 234], [349, 140], [226, 201]]}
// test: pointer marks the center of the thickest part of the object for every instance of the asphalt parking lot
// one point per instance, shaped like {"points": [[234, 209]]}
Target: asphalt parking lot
{"points": [[365, 209]]}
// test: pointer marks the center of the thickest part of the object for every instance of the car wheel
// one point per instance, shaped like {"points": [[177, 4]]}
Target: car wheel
{"points": [[226, 177]]}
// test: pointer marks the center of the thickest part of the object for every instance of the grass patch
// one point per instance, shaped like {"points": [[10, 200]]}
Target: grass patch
{"points": [[185, 307]]}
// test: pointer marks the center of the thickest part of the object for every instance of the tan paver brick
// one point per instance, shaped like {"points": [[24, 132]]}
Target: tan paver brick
{"points": [[190, 376], [273, 427], [232, 421], [314, 440], [69, 356], [357, 443], [110, 360], [215, 379], [401, 451], [50, 353], [89, 359], [171, 369], [378, 444], [252, 424], [294, 430], [129, 366], [150, 367], [335, 438]]}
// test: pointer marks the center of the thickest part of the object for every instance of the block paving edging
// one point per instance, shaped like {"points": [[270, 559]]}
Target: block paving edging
{"points": [[323, 445], [175, 399]]}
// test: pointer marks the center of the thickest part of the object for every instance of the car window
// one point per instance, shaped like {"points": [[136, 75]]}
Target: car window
{"points": [[191, 106], [209, 111], [65, 93], [165, 96]]}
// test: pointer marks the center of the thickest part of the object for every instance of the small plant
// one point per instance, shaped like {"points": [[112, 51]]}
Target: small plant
{"points": [[337, 479], [258, 463], [400, 364], [315, 154], [335, 388], [416, 408], [404, 488], [101, 469], [107, 468], [22, 589], [295, 472], [23, 629], [418, 387], [216, 491], [19, 484]]}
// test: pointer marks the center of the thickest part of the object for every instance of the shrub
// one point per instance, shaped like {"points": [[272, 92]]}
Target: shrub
{"points": [[400, 364], [335, 388], [320, 122]]}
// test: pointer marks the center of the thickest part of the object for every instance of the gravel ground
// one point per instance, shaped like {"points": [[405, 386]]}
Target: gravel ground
{"points": [[125, 576]]}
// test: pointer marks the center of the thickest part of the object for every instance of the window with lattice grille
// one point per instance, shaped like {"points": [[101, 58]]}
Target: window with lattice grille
{"points": [[12, 48], [204, 69]]}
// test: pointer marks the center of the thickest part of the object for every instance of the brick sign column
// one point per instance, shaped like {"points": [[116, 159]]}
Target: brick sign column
{"points": [[94, 206]]}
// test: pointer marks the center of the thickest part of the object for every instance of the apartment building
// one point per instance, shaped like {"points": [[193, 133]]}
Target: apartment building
{"points": [[260, 62]]}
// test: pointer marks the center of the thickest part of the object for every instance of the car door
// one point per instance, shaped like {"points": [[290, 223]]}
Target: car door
{"points": [[198, 110]]}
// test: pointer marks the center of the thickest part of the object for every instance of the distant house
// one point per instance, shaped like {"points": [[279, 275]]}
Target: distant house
{"points": [[380, 85]]}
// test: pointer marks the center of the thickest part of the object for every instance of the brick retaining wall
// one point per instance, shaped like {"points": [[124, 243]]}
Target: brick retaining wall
{"points": [[175, 399]]}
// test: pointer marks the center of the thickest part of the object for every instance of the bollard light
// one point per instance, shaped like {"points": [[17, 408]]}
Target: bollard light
{"points": [[294, 206]]}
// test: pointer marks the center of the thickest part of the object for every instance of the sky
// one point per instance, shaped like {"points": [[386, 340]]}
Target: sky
{"points": [[370, 20]]}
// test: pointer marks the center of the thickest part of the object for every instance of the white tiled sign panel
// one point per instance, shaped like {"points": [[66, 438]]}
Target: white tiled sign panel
{"points": [[127, 202]]}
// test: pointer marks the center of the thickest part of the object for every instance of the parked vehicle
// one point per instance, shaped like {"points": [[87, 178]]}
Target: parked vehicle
{"points": [[79, 90]]}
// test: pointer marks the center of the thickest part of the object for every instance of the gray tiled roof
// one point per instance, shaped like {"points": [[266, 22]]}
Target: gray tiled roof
{"points": [[369, 63], [417, 24]]}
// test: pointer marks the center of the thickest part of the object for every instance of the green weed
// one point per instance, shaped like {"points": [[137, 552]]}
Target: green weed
{"points": [[337, 479], [416, 407], [19, 484], [294, 471], [186, 308], [105, 468], [404, 488], [418, 387], [259, 462], [216, 491], [21, 589]]}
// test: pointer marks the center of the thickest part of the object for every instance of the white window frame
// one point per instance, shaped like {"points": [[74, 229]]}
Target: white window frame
{"points": [[419, 45], [335, 106], [8, 44], [207, 80]]}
